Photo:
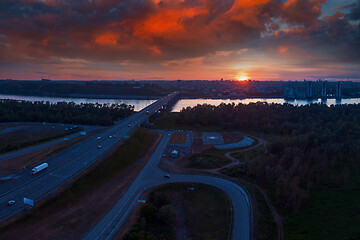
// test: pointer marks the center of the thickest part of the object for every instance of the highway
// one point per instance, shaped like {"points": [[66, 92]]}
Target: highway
{"points": [[151, 176], [23, 151], [69, 163]]}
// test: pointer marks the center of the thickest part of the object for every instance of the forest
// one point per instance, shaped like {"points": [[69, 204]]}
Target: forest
{"points": [[73, 88], [63, 112], [310, 147]]}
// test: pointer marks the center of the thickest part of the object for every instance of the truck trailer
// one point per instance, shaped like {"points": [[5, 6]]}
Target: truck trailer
{"points": [[39, 168]]}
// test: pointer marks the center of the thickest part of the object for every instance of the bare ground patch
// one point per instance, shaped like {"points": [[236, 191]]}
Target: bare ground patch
{"points": [[178, 138]]}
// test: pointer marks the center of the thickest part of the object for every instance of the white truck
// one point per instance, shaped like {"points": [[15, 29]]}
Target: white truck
{"points": [[39, 168]]}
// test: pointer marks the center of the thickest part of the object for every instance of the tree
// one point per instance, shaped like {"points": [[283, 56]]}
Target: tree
{"points": [[167, 214]]}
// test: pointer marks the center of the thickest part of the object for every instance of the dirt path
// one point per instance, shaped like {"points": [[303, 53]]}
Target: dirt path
{"points": [[234, 160]]}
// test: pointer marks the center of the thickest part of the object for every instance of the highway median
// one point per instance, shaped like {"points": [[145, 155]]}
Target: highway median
{"points": [[74, 210]]}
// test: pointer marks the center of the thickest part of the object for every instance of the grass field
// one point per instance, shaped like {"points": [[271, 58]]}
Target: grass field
{"points": [[201, 214], [248, 155], [207, 161]]}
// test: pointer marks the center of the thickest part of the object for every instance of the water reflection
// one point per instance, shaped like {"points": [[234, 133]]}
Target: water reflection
{"points": [[183, 103]]}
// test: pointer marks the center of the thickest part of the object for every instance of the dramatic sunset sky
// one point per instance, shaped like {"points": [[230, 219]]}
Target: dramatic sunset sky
{"points": [[180, 39]]}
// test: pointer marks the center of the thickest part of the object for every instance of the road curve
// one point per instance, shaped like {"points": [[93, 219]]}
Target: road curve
{"points": [[151, 176]]}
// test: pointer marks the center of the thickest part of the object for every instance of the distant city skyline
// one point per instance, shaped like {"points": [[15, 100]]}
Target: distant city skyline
{"points": [[180, 39]]}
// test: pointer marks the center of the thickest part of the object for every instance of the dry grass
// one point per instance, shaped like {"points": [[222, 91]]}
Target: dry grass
{"points": [[178, 138]]}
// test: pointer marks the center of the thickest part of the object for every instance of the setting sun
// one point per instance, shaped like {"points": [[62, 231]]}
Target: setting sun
{"points": [[242, 78]]}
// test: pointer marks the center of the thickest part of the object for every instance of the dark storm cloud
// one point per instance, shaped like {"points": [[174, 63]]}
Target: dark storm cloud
{"points": [[147, 30], [333, 38]]}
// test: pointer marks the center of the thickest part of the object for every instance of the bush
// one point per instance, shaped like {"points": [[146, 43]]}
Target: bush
{"points": [[167, 214]]}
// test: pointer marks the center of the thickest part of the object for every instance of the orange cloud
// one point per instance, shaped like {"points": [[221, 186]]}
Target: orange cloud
{"points": [[155, 50], [107, 39], [166, 23]]}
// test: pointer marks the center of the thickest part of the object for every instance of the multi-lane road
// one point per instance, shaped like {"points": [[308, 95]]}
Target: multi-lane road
{"points": [[151, 176], [44, 145], [69, 163]]}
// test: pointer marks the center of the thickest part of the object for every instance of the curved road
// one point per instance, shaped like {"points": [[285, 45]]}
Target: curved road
{"points": [[151, 176]]}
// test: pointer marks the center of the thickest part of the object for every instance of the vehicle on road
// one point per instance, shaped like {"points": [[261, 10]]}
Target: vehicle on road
{"points": [[167, 176], [39, 168], [129, 125], [11, 202], [147, 112], [114, 136], [110, 136], [98, 138], [99, 147]]}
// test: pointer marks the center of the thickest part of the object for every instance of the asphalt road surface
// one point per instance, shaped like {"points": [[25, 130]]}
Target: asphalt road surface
{"points": [[68, 163], [152, 176], [40, 146]]}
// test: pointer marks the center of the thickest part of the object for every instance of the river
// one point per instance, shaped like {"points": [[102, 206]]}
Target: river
{"points": [[140, 104]]}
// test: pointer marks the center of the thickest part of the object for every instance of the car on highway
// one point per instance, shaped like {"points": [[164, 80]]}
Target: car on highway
{"points": [[98, 138], [11, 202], [129, 125], [167, 176], [110, 136], [114, 136], [99, 147]]}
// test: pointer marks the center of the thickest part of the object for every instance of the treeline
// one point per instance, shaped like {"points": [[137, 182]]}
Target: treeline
{"points": [[73, 88], [63, 112], [156, 219], [313, 146]]}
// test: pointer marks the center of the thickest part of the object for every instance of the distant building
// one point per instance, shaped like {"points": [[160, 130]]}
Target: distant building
{"points": [[309, 89], [338, 89], [323, 89], [289, 93]]}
